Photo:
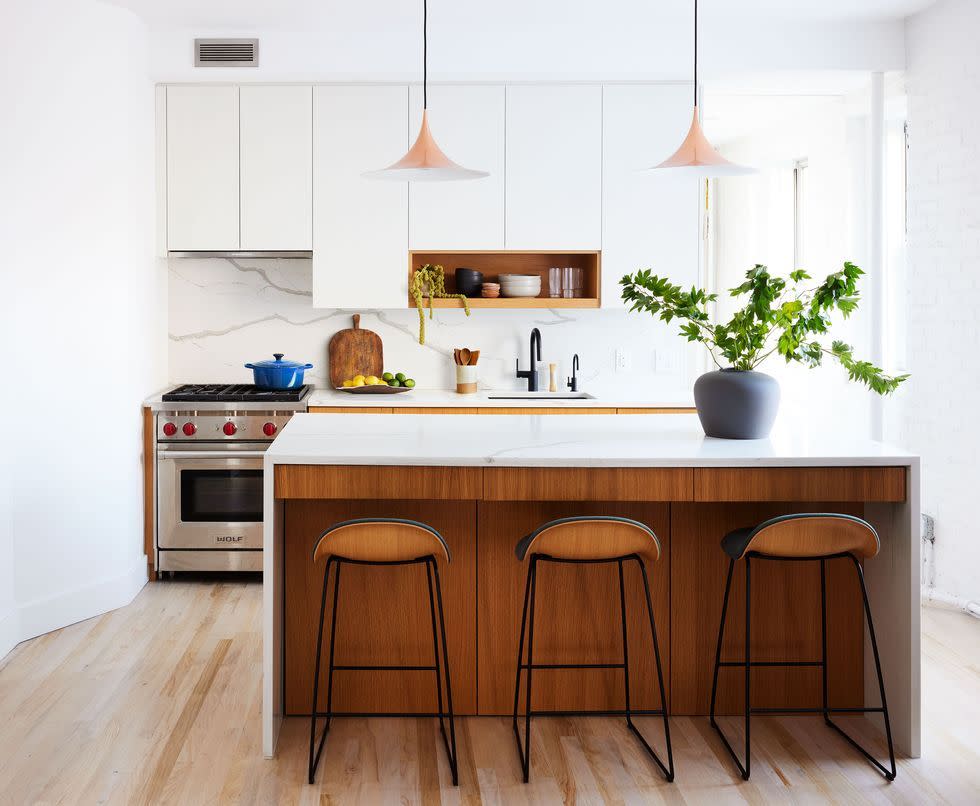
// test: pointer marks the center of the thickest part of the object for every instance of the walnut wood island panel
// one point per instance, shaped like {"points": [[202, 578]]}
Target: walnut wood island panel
{"points": [[485, 481]]}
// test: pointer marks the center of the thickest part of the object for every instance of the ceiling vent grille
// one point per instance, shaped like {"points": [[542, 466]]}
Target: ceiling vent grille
{"points": [[226, 52]]}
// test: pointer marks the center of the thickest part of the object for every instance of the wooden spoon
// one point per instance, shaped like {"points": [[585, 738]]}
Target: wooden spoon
{"points": [[465, 356], [456, 356], [474, 357]]}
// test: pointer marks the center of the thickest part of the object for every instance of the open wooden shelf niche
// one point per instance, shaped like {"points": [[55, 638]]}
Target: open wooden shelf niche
{"points": [[493, 264]]}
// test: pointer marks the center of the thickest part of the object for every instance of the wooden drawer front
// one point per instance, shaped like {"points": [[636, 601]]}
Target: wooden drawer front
{"points": [[587, 484], [435, 410], [353, 481], [660, 410], [800, 484]]}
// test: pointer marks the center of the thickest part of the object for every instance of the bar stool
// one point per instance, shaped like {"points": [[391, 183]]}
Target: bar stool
{"points": [[804, 537], [379, 542], [588, 540]]}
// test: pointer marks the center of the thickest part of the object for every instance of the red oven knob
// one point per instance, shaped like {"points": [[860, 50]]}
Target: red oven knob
{"points": [[169, 429], [269, 429], [189, 429], [230, 429]]}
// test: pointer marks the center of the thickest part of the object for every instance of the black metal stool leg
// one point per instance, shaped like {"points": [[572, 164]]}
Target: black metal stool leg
{"points": [[520, 664], [746, 665], [888, 773], [525, 754], [667, 770], [721, 637], [315, 755], [451, 745]]}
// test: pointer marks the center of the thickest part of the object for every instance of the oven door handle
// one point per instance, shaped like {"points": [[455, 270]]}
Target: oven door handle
{"points": [[161, 455]]}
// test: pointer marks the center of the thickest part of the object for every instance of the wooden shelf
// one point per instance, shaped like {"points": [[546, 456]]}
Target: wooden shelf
{"points": [[492, 264]]}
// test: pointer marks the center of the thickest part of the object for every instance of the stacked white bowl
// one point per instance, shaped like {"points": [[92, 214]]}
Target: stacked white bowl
{"points": [[520, 285]]}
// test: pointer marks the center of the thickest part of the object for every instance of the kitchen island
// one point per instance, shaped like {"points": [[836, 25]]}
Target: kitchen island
{"points": [[485, 481]]}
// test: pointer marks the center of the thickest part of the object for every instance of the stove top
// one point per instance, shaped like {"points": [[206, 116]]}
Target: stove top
{"points": [[234, 393]]}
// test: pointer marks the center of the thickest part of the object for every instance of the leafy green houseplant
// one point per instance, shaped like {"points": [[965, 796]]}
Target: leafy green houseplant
{"points": [[430, 281], [788, 316]]}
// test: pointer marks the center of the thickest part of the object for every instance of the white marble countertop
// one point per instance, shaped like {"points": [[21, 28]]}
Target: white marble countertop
{"points": [[446, 398], [621, 440]]}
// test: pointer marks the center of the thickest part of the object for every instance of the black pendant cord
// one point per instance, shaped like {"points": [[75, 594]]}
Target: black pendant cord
{"points": [[425, 54], [695, 52]]}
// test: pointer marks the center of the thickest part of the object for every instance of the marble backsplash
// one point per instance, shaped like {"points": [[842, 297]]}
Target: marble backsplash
{"points": [[224, 312]]}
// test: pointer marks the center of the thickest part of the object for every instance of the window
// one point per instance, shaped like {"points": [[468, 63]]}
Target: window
{"points": [[800, 169]]}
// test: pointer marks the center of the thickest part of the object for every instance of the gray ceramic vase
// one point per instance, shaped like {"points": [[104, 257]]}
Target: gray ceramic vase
{"points": [[736, 404]]}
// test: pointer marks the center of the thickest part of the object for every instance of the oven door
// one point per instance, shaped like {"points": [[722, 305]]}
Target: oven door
{"points": [[210, 498]]}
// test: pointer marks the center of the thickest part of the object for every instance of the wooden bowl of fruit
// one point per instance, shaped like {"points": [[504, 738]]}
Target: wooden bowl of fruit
{"points": [[389, 383]]}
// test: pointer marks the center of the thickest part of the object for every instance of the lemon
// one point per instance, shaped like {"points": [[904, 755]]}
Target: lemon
{"points": [[371, 380], [348, 384], [358, 381]]}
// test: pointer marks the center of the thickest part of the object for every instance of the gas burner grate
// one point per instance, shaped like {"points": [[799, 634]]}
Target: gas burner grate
{"points": [[233, 393]]}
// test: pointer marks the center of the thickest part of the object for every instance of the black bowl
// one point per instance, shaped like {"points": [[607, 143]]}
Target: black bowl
{"points": [[469, 282]]}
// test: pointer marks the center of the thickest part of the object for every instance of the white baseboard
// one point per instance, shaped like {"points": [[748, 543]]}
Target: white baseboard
{"points": [[9, 630], [44, 615]]}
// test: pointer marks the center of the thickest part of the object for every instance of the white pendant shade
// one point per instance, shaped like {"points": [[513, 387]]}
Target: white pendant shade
{"points": [[425, 162], [697, 157]]}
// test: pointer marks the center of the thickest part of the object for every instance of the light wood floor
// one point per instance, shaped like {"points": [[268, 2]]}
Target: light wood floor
{"points": [[159, 703]]}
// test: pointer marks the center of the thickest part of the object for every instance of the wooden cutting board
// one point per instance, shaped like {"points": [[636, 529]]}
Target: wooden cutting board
{"points": [[354, 351]]}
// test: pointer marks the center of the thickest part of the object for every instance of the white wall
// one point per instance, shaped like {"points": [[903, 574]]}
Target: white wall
{"points": [[944, 266], [87, 311], [482, 42]]}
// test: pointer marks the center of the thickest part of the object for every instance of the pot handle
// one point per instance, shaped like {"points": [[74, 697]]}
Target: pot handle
{"points": [[308, 366], [250, 366]]}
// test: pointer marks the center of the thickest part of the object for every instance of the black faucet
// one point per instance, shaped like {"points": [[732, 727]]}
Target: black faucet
{"points": [[532, 373], [573, 381]]}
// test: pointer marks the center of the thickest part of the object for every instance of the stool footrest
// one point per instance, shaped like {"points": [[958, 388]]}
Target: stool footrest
{"points": [[573, 666], [777, 663], [817, 710], [631, 712], [384, 668], [383, 715]]}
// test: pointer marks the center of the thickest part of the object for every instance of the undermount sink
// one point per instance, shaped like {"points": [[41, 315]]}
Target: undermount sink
{"points": [[541, 396]]}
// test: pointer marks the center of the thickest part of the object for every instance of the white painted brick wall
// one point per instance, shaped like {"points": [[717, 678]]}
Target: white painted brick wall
{"points": [[941, 409]]}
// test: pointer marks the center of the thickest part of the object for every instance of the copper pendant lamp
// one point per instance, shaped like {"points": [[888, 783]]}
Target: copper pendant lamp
{"points": [[696, 156], [425, 161]]}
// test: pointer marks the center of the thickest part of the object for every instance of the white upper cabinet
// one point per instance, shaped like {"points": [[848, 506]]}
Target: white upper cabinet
{"points": [[360, 226], [649, 219], [554, 167], [276, 168], [202, 168], [468, 124]]}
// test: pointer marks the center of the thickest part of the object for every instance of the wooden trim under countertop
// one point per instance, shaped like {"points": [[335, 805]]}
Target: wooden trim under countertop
{"points": [[659, 410], [349, 410], [587, 484], [149, 489], [884, 484], [378, 482]]}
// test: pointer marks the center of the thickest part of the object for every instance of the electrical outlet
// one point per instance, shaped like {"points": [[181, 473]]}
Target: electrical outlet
{"points": [[669, 362], [623, 360]]}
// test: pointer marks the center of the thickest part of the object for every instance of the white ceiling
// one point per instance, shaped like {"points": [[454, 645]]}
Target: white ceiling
{"points": [[387, 15]]}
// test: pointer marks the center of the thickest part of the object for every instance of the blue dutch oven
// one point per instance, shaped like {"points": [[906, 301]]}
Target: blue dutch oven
{"points": [[278, 374]]}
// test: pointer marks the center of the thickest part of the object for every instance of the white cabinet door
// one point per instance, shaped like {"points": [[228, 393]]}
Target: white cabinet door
{"points": [[468, 124], [360, 226], [554, 167], [277, 168], [649, 219], [202, 168]]}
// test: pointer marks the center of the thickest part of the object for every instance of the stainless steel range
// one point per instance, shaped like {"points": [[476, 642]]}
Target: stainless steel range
{"points": [[209, 441]]}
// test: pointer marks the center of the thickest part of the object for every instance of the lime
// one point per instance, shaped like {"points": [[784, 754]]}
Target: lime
{"points": [[387, 376], [400, 376], [394, 382], [409, 383]]}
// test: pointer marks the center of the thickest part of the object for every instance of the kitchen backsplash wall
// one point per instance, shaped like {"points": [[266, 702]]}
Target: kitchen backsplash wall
{"points": [[225, 312]]}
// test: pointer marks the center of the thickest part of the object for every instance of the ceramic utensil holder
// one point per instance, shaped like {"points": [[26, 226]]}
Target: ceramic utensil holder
{"points": [[465, 379]]}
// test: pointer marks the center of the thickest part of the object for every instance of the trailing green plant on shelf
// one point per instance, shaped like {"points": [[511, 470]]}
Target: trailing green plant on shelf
{"points": [[784, 315], [430, 281]]}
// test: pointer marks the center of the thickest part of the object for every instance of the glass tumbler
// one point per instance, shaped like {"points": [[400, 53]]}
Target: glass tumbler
{"points": [[572, 282], [554, 282]]}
